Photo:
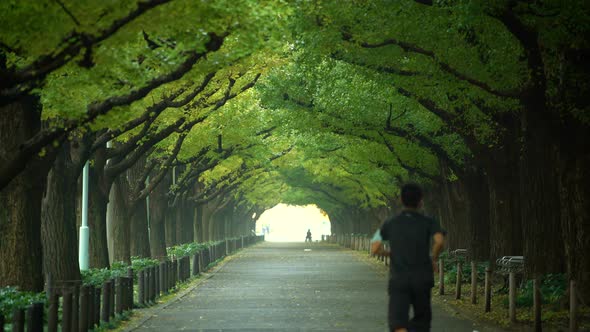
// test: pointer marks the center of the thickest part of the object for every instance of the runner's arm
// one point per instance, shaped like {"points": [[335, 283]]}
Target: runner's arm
{"points": [[377, 245]]}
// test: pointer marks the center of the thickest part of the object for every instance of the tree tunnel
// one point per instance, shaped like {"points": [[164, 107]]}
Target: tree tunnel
{"points": [[337, 105]]}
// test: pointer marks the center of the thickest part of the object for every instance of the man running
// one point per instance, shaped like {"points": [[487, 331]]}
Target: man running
{"points": [[308, 236], [411, 267]]}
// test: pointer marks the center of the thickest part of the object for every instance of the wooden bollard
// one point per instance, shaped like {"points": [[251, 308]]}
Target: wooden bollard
{"points": [[175, 271], [162, 278], [488, 290], [140, 287], [35, 317], [195, 264], [441, 277], [18, 320], [106, 294], [473, 283], [74, 324], [119, 295], [573, 307], [83, 317], [153, 284], [512, 296], [130, 275], [537, 304], [458, 281], [90, 307], [66, 312], [187, 271], [157, 280], [179, 269], [148, 275], [169, 279], [112, 298], [52, 317], [126, 305], [202, 260], [97, 307]]}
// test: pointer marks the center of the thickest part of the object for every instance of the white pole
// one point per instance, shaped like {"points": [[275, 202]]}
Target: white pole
{"points": [[84, 230]]}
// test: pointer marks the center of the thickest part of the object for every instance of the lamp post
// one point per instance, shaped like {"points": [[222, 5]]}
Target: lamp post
{"points": [[84, 230]]}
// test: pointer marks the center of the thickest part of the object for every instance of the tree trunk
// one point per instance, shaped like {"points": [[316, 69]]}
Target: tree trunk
{"points": [[542, 244], [198, 224], [574, 185], [158, 207], [478, 206], [170, 225], [137, 210], [119, 230], [189, 216], [98, 200], [140, 242], [505, 220], [59, 240], [455, 212], [20, 201]]}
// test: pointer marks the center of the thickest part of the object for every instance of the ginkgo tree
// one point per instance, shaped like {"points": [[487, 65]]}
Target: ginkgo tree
{"points": [[219, 110]]}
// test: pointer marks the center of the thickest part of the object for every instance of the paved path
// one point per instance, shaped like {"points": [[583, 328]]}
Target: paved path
{"points": [[284, 287]]}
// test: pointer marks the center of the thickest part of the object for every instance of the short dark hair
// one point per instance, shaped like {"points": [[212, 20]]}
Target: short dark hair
{"points": [[411, 195]]}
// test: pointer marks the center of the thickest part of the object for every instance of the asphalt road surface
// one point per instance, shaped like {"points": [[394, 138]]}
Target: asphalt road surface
{"points": [[289, 287]]}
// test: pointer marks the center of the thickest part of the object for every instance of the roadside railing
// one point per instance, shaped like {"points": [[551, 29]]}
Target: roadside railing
{"points": [[85, 307], [510, 267]]}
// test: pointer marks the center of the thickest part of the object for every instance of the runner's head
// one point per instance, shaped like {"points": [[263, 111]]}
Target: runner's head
{"points": [[411, 195]]}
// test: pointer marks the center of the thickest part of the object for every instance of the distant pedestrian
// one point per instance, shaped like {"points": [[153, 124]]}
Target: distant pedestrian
{"points": [[308, 236], [411, 266]]}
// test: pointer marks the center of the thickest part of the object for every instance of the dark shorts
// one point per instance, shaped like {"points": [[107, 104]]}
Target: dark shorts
{"points": [[406, 292]]}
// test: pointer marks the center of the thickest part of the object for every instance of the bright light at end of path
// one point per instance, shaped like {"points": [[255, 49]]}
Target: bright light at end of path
{"points": [[289, 223]]}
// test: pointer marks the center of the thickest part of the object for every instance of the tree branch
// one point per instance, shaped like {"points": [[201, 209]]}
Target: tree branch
{"points": [[45, 137], [408, 47], [72, 44]]}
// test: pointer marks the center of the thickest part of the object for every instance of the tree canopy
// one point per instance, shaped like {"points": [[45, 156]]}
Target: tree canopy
{"points": [[335, 103]]}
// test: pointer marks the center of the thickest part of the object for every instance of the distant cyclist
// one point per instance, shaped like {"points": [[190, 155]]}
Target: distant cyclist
{"points": [[308, 236]]}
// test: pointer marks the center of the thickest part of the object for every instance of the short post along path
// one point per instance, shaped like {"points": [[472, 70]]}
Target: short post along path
{"points": [[288, 287]]}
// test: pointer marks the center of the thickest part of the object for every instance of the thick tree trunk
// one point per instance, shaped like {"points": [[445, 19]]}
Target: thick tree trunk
{"points": [[119, 230], [184, 225], [137, 210], [505, 211], [58, 236], [20, 201], [542, 244], [574, 185], [170, 226], [140, 242], [455, 212], [98, 200], [198, 224], [158, 207], [478, 216], [207, 224]]}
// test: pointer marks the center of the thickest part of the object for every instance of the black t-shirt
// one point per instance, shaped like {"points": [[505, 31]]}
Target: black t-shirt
{"points": [[409, 235]]}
